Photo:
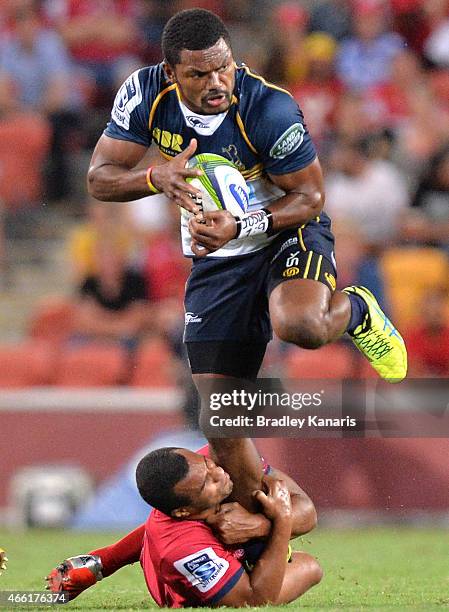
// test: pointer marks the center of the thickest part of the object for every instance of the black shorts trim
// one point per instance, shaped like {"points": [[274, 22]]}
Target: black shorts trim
{"points": [[235, 359]]}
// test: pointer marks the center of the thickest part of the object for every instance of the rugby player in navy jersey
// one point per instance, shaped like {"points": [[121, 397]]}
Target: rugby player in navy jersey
{"points": [[247, 277]]}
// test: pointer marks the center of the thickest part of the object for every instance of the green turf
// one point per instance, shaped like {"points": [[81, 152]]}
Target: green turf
{"points": [[376, 569]]}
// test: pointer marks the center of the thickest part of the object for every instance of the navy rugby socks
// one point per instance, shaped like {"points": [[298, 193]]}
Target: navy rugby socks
{"points": [[359, 310]]}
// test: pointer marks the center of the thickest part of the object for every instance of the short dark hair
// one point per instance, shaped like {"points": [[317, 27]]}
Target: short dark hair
{"points": [[192, 29], [156, 476]]}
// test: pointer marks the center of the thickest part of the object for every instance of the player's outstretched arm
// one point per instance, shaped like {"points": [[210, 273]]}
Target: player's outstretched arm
{"points": [[113, 177]]}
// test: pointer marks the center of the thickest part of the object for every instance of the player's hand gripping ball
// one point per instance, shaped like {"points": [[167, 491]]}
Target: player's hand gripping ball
{"points": [[222, 186]]}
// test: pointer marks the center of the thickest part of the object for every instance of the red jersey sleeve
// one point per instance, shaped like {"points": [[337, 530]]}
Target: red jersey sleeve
{"points": [[200, 566]]}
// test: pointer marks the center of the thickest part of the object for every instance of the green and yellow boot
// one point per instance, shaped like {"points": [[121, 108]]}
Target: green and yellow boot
{"points": [[379, 340]]}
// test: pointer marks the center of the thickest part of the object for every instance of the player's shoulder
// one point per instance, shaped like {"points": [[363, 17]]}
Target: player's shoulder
{"points": [[254, 90], [133, 102], [151, 80]]}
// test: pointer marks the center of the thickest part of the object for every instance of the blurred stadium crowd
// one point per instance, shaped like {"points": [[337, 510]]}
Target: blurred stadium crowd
{"points": [[372, 78]]}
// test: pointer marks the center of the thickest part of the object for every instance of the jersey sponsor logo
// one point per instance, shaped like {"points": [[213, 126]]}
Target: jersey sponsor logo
{"points": [[196, 122], [128, 97], [292, 260], [290, 140], [289, 272], [285, 245], [167, 142], [190, 317], [203, 569]]}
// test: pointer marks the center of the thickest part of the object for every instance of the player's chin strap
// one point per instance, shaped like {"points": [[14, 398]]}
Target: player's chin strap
{"points": [[254, 223]]}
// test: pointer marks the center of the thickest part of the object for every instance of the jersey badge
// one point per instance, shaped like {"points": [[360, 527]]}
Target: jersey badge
{"points": [[128, 97], [290, 140], [203, 569]]}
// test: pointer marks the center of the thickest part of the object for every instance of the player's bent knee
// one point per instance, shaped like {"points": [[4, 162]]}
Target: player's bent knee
{"points": [[312, 569], [307, 331], [316, 572]]}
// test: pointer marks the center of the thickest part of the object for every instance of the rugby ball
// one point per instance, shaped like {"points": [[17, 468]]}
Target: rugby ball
{"points": [[222, 186]]}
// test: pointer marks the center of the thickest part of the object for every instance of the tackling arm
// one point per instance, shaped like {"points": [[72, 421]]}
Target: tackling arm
{"points": [[235, 525]]}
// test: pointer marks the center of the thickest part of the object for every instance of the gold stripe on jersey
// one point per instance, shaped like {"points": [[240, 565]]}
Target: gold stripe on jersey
{"points": [[309, 260], [244, 134], [318, 267], [156, 102], [300, 237], [259, 78], [253, 172]]}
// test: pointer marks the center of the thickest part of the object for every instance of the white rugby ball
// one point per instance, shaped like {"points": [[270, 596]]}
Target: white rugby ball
{"points": [[222, 186]]}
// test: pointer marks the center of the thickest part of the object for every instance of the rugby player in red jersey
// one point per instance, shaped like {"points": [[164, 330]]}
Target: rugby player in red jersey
{"points": [[196, 550]]}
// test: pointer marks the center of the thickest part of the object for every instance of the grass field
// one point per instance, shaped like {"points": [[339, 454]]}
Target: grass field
{"points": [[375, 569]]}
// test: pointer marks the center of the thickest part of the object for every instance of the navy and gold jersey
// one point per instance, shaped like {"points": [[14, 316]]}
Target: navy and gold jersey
{"points": [[262, 132]]}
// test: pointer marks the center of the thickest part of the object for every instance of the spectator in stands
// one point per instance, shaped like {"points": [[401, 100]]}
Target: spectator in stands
{"points": [[365, 58], [371, 192], [318, 94], [332, 17], [35, 71], [428, 341], [166, 273], [103, 38], [24, 144], [352, 119], [289, 28], [113, 302], [429, 221], [393, 100], [102, 220], [436, 46], [409, 20], [418, 114]]}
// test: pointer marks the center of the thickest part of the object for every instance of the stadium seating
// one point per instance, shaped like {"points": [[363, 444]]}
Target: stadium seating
{"points": [[27, 364], [52, 320], [154, 366], [92, 365], [408, 274], [330, 361]]}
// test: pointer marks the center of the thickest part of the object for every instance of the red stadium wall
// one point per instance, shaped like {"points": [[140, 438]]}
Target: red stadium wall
{"points": [[396, 475], [385, 474]]}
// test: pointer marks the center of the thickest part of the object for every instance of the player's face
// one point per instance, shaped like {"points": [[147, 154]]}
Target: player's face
{"points": [[205, 78], [206, 483]]}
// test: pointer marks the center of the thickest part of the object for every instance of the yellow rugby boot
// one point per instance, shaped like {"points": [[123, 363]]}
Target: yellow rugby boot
{"points": [[379, 340], [3, 560]]}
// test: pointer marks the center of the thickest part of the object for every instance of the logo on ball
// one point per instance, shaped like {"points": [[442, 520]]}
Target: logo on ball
{"points": [[240, 195]]}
